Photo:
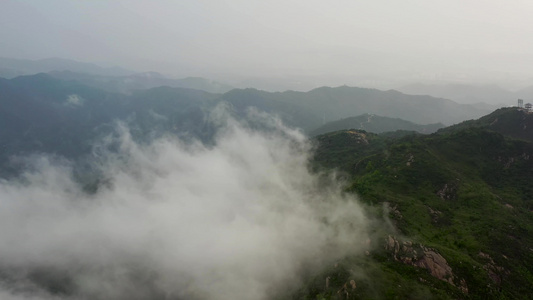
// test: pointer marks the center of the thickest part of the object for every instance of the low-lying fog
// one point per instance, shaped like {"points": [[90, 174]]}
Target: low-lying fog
{"points": [[243, 219]]}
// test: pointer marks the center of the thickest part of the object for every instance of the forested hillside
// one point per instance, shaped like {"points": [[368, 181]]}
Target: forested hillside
{"points": [[449, 213], [460, 203]]}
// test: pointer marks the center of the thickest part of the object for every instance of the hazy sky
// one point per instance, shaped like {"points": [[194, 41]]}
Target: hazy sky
{"points": [[339, 41]]}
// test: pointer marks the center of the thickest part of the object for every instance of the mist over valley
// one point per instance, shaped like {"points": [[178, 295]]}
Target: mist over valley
{"points": [[265, 150]]}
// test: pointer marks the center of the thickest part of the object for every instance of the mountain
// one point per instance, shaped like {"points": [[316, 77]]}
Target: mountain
{"points": [[327, 104], [41, 113], [450, 212], [343, 102], [294, 115], [512, 122], [459, 203], [10, 67], [141, 81], [463, 93], [113, 79], [375, 124]]}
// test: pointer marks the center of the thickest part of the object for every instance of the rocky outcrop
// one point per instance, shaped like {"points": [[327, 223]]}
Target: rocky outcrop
{"points": [[410, 159], [448, 191], [507, 162], [436, 264], [392, 210], [423, 257], [359, 137], [494, 271], [435, 214], [346, 289]]}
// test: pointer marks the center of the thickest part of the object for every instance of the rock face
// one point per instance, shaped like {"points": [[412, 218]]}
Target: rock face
{"points": [[449, 191], [422, 257], [436, 264], [359, 137], [435, 214], [507, 162], [410, 159], [494, 271], [346, 289]]}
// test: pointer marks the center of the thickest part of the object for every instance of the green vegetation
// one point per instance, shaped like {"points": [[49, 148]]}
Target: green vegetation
{"points": [[455, 206], [508, 121], [375, 124], [464, 193]]}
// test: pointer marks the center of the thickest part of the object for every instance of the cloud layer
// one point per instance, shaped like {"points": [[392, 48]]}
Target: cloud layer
{"points": [[243, 219]]}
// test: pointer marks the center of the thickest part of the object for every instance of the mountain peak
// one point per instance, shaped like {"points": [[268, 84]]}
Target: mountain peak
{"points": [[509, 121]]}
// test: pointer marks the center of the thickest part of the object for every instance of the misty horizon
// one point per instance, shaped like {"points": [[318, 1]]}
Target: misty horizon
{"points": [[488, 95], [256, 150], [281, 46]]}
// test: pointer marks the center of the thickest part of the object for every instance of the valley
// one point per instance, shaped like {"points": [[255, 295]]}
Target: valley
{"points": [[448, 209]]}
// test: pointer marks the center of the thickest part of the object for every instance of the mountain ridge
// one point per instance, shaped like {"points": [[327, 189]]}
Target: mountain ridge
{"points": [[462, 194], [43, 106], [510, 121], [11, 67], [375, 124]]}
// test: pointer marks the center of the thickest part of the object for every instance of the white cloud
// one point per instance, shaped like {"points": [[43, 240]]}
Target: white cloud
{"points": [[238, 220], [74, 100]]}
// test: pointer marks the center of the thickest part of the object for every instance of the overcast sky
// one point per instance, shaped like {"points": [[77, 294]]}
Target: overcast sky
{"points": [[336, 41]]}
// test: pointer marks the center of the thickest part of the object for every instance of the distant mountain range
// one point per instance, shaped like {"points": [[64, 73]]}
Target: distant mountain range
{"points": [[10, 67], [342, 102], [457, 203], [472, 94], [114, 79], [375, 124], [41, 113], [141, 81]]}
